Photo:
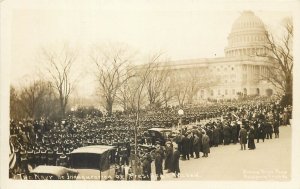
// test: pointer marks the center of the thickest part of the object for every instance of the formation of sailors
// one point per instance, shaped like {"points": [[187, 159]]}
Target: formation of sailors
{"points": [[43, 142]]}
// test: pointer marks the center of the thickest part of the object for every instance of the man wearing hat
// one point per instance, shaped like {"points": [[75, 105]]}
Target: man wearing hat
{"points": [[50, 155], [128, 150], [261, 130], [191, 143], [175, 162], [216, 136], [30, 156], [276, 128], [169, 153], [196, 145], [62, 161], [251, 137], [37, 155], [24, 161], [227, 134], [205, 145], [58, 155], [43, 156], [243, 137], [158, 163], [146, 167], [124, 156], [234, 130], [269, 129], [185, 147]]}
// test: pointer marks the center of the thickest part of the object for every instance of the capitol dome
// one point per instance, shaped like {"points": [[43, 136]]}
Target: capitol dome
{"points": [[247, 36]]}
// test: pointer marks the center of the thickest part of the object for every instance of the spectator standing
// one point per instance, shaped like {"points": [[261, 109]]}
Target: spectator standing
{"points": [[243, 137], [251, 137], [158, 164], [175, 162], [205, 145]]}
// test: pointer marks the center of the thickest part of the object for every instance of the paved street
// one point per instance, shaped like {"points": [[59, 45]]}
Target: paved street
{"points": [[269, 161]]}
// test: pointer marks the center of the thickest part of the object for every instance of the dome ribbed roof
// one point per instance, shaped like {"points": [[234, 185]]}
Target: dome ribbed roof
{"points": [[247, 36], [247, 21]]}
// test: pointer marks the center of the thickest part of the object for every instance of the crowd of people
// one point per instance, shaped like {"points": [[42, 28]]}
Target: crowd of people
{"points": [[45, 142]]}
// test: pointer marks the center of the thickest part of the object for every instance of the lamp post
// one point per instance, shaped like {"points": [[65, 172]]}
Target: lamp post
{"points": [[180, 113]]}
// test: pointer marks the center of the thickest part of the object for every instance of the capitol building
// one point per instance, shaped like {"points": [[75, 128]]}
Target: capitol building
{"points": [[240, 71]]}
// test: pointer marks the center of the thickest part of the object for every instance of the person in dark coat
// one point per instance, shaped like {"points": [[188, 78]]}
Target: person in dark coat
{"points": [[205, 145], [276, 128], [169, 153], [269, 129], [261, 131], [175, 162], [243, 137], [196, 146], [200, 142], [221, 133], [178, 141], [209, 133], [216, 136], [256, 131], [251, 137], [158, 164], [191, 144], [227, 134], [234, 133], [146, 168], [185, 147]]}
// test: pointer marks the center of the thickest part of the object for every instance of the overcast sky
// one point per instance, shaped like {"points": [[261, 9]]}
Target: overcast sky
{"points": [[198, 31]]}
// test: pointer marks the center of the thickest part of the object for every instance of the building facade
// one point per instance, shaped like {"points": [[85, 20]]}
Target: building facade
{"points": [[243, 69]]}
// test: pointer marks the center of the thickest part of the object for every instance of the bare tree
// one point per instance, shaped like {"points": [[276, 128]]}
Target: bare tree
{"points": [[31, 98], [141, 76], [167, 94], [34, 100], [113, 70], [280, 52], [193, 83], [180, 86], [186, 84], [59, 67], [16, 111], [126, 96], [158, 85]]}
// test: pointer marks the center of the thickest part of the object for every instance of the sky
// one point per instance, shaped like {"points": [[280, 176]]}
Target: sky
{"points": [[185, 32]]}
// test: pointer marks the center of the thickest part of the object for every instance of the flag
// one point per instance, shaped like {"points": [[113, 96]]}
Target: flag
{"points": [[12, 156]]}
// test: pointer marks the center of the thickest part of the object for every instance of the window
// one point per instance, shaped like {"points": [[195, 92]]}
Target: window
{"points": [[232, 68], [219, 92], [212, 92], [233, 91], [226, 92]]}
